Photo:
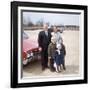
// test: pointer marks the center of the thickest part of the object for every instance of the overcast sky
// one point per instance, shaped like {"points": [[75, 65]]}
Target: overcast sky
{"points": [[52, 18]]}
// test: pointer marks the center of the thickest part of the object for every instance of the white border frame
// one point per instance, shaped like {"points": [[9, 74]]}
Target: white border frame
{"points": [[47, 78]]}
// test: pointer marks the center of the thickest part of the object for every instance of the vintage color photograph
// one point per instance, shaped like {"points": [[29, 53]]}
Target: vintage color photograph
{"points": [[50, 44]]}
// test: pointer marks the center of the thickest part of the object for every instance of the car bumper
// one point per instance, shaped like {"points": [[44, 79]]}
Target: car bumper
{"points": [[32, 57]]}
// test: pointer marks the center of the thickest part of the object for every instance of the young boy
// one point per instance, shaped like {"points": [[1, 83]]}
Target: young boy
{"points": [[51, 51]]}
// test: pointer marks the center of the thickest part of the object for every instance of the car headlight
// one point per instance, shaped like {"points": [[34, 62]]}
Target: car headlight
{"points": [[28, 55]]}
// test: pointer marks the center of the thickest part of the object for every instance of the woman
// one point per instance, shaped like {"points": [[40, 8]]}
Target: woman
{"points": [[57, 35]]}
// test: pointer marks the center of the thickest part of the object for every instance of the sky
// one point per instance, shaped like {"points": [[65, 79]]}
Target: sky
{"points": [[52, 18]]}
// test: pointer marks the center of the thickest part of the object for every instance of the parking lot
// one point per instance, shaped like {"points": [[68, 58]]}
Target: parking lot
{"points": [[71, 41]]}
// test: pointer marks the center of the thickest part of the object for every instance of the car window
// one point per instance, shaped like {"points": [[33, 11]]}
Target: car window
{"points": [[25, 36]]}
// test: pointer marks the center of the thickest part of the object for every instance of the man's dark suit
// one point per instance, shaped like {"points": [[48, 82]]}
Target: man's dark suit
{"points": [[43, 41]]}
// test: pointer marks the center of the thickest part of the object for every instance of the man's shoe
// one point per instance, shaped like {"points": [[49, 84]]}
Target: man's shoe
{"points": [[43, 68], [47, 67]]}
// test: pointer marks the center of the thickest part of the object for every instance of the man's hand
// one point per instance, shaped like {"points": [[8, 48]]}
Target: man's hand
{"points": [[40, 49]]}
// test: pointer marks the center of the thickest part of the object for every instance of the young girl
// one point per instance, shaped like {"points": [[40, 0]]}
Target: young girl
{"points": [[59, 57]]}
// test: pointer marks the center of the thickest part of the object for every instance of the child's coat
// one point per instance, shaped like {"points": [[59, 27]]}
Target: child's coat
{"points": [[59, 57]]}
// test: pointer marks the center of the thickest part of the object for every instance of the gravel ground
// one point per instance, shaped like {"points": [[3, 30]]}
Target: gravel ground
{"points": [[71, 41]]}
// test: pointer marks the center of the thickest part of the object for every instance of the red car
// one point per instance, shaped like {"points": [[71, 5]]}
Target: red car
{"points": [[30, 49]]}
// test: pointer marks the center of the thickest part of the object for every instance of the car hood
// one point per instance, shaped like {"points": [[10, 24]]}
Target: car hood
{"points": [[29, 44]]}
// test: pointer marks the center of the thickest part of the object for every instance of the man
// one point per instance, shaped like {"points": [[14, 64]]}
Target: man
{"points": [[44, 38]]}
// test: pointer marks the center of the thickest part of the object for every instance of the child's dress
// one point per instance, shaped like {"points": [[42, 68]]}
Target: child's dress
{"points": [[59, 57]]}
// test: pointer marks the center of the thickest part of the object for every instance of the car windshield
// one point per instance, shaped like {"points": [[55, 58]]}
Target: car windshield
{"points": [[25, 36]]}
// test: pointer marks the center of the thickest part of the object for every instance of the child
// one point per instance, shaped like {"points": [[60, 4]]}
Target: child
{"points": [[59, 57], [51, 51]]}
